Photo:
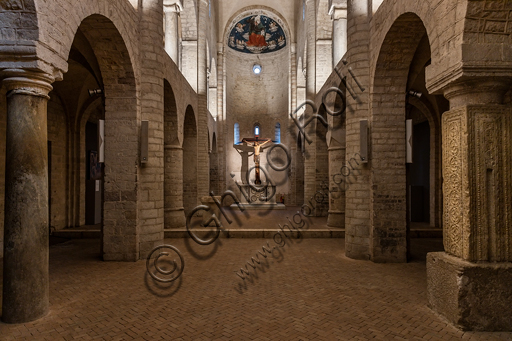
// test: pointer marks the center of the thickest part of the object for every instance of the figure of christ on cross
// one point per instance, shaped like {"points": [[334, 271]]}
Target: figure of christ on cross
{"points": [[257, 144]]}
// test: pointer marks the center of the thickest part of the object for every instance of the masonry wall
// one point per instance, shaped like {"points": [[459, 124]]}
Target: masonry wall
{"points": [[93, 114], [57, 131], [57, 135], [151, 175], [321, 201], [261, 99], [357, 205], [190, 163], [323, 43], [3, 122], [227, 9]]}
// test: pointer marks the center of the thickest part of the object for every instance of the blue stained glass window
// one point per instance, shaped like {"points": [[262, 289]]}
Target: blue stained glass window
{"points": [[278, 133], [237, 134]]}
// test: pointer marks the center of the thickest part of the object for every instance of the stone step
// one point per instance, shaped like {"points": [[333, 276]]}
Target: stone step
{"points": [[77, 234], [245, 233], [258, 233], [426, 233]]}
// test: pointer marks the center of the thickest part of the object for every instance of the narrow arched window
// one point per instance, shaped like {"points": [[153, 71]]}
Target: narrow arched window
{"points": [[278, 133], [256, 130], [237, 134]]}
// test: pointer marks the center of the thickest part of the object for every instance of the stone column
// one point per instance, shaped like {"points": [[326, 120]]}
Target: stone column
{"points": [[338, 14], [174, 216], [172, 9], [336, 216], [358, 217], [189, 50], [310, 183], [25, 275], [470, 283], [147, 230], [203, 172], [221, 120]]}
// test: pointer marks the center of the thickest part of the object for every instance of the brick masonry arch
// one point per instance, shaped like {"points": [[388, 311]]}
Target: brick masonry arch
{"points": [[444, 24], [387, 106], [486, 47], [59, 20], [119, 238], [190, 160], [20, 38], [174, 216]]}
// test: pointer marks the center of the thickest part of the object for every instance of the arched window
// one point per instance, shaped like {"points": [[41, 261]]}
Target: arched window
{"points": [[278, 133], [237, 134], [256, 130]]}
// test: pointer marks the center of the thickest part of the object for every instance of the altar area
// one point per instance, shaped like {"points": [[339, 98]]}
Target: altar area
{"points": [[254, 193]]}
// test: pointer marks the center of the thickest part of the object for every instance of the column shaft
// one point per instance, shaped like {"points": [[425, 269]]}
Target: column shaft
{"points": [[173, 188], [339, 34], [469, 284], [336, 217], [358, 192], [477, 182], [310, 183], [203, 173], [171, 31], [25, 271]]}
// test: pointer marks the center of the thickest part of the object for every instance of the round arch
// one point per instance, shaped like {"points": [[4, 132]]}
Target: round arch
{"points": [[121, 135], [57, 43], [190, 144], [252, 10], [388, 114]]}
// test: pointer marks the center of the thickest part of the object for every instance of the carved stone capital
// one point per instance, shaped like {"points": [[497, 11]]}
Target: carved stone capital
{"points": [[338, 11], [173, 6], [476, 91], [19, 81]]}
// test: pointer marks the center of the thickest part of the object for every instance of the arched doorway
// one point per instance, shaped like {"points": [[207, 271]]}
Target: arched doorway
{"points": [[190, 199], [174, 216], [321, 197], [397, 73], [108, 59], [214, 167]]}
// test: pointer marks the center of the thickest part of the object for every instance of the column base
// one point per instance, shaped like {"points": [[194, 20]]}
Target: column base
{"points": [[214, 209], [175, 218], [336, 219], [472, 296]]}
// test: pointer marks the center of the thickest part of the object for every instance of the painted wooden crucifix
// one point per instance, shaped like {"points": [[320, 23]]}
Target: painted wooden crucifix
{"points": [[257, 144]]}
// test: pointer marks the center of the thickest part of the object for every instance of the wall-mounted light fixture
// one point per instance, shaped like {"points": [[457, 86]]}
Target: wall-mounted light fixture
{"points": [[101, 141], [93, 92], [256, 69], [408, 140], [363, 140], [144, 142], [414, 93]]}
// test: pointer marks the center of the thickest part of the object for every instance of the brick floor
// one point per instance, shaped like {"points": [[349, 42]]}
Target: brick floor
{"points": [[308, 290]]}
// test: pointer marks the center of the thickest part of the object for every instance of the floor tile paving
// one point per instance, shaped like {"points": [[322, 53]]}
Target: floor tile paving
{"points": [[306, 290]]}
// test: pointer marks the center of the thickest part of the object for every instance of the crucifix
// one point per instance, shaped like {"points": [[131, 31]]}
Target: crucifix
{"points": [[257, 144]]}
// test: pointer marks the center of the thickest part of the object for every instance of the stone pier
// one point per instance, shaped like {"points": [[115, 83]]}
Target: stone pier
{"points": [[470, 284], [25, 289]]}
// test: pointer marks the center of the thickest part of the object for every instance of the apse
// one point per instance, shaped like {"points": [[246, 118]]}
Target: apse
{"points": [[257, 81]]}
